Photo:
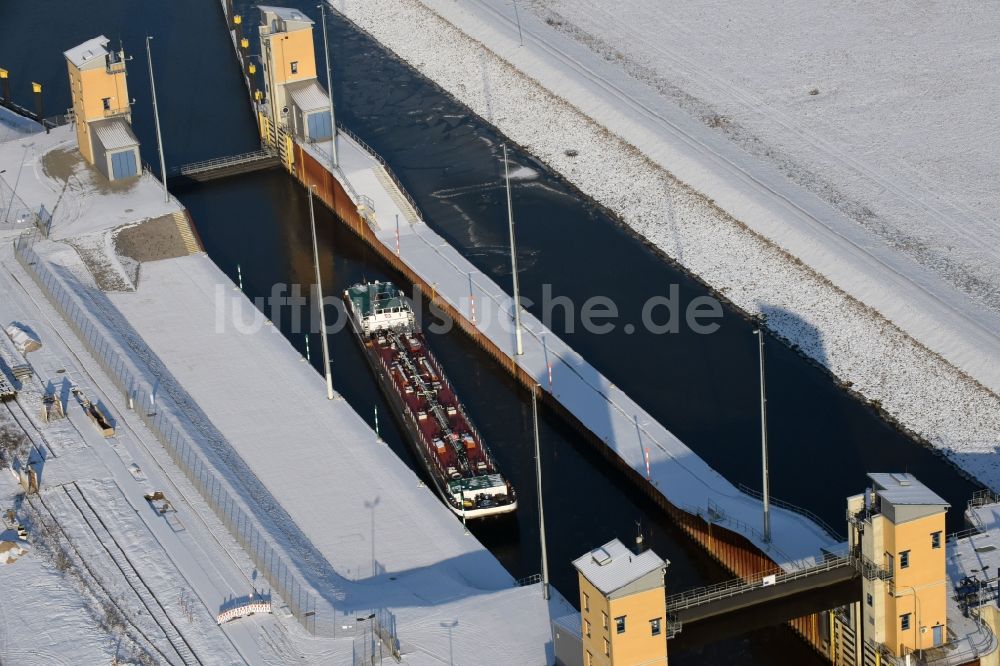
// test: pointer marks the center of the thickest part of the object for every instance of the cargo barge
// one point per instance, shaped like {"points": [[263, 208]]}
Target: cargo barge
{"points": [[438, 429]]}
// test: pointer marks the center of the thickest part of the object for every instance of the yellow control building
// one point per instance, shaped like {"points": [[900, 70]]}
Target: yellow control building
{"points": [[102, 109], [897, 528], [295, 104], [622, 607]]}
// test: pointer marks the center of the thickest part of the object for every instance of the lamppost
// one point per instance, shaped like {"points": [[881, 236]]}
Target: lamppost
{"points": [[538, 483], [319, 296], [329, 85], [518, 347], [17, 181], [156, 119], [765, 474]]}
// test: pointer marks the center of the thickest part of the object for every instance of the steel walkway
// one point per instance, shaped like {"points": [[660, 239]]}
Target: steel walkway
{"points": [[706, 602], [222, 167]]}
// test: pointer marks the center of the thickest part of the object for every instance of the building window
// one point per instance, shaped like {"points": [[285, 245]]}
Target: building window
{"points": [[904, 621], [654, 626], [607, 648], [620, 624], [935, 539], [604, 620], [590, 659], [295, 67], [586, 602], [869, 600], [904, 559], [106, 102], [586, 628]]}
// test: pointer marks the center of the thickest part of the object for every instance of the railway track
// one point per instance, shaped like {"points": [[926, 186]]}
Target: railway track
{"points": [[112, 598], [184, 652]]}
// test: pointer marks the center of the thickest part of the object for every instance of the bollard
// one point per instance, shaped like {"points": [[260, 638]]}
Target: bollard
{"points": [[39, 106]]}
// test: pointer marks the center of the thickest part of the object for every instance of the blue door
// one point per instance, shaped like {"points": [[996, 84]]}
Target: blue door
{"points": [[938, 635], [123, 165], [319, 126]]}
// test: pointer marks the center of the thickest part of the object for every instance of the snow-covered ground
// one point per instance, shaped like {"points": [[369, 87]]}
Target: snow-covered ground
{"points": [[42, 619], [48, 171], [886, 111], [179, 556], [359, 529], [897, 331], [12, 124]]}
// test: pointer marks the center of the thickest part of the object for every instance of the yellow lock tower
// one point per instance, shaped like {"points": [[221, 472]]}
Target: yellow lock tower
{"points": [[622, 606], [295, 103], [897, 529], [102, 108]]}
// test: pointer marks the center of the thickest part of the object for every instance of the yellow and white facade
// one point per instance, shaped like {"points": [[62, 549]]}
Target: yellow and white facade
{"points": [[622, 607], [294, 105], [897, 527], [102, 108]]}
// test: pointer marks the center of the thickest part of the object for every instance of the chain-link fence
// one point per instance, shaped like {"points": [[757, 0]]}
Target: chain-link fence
{"points": [[183, 449]]}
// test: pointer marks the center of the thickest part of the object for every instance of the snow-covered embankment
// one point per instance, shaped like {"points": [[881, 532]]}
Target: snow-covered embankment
{"points": [[876, 358]]}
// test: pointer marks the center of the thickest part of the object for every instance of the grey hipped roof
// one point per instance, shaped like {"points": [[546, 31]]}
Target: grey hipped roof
{"points": [[81, 54], [114, 134], [285, 13], [308, 95], [613, 566], [900, 489]]}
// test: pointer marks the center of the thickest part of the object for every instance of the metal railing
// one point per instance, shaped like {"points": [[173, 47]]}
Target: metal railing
{"points": [[963, 534], [385, 165], [674, 625], [223, 162], [788, 506], [703, 595], [528, 580], [983, 497], [716, 516], [868, 569], [49, 122]]}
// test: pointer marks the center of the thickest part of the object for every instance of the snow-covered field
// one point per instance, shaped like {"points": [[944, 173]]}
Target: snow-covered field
{"points": [[887, 110], [916, 351]]}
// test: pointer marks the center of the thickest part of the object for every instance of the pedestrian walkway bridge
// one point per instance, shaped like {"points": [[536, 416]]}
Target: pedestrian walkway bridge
{"points": [[223, 167], [740, 594]]}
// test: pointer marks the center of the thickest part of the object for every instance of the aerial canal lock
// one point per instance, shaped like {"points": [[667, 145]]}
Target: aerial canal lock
{"points": [[791, 556], [896, 590]]}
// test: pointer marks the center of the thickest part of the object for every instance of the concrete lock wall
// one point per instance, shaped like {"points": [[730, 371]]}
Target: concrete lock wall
{"points": [[731, 550]]}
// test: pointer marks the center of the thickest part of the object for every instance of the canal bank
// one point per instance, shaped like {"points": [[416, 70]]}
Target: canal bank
{"points": [[340, 201], [585, 497], [430, 141], [354, 183], [923, 350]]}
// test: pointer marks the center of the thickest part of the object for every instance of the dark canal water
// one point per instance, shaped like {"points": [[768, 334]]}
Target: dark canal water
{"points": [[703, 387]]}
